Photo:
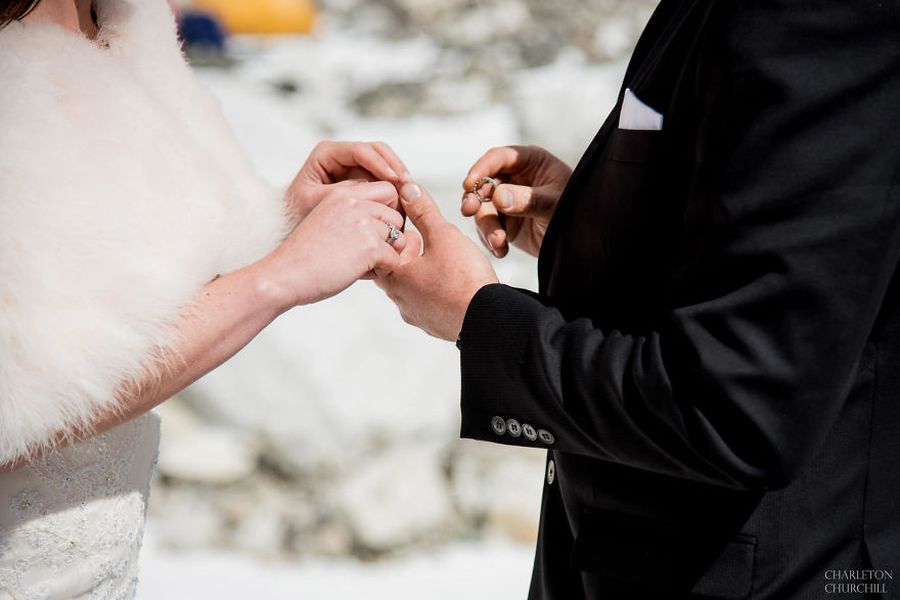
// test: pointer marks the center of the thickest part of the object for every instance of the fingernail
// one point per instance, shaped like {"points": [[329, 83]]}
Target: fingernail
{"points": [[411, 192], [505, 199]]}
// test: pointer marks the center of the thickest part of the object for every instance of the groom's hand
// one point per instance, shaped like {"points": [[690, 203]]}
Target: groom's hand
{"points": [[438, 274], [531, 183], [335, 164]]}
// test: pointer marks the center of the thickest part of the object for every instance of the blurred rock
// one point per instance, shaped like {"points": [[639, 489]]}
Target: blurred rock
{"points": [[330, 539], [447, 96], [500, 487], [603, 29], [576, 22], [482, 24], [396, 497], [261, 532], [612, 40], [440, 97], [198, 452], [423, 12], [560, 107], [187, 519], [390, 99]]}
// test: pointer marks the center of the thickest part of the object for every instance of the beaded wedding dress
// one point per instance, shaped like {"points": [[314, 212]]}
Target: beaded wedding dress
{"points": [[71, 522]]}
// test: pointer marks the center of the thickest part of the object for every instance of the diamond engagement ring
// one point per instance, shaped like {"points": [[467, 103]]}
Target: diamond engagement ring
{"points": [[393, 234], [482, 182]]}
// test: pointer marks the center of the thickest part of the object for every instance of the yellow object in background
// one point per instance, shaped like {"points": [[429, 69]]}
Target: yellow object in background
{"points": [[262, 16]]}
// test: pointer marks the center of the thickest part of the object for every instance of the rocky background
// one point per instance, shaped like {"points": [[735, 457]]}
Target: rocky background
{"points": [[336, 432]]}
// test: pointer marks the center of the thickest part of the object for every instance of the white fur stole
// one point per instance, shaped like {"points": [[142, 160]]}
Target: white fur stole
{"points": [[122, 192]]}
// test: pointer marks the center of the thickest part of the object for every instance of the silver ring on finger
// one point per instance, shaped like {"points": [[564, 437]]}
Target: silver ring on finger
{"points": [[482, 182], [393, 234]]}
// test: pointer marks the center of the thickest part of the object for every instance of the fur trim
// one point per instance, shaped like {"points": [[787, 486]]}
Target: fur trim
{"points": [[122, 191]]}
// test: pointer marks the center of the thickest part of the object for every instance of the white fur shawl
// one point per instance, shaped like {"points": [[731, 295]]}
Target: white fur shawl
{"points": [[122, 192]]}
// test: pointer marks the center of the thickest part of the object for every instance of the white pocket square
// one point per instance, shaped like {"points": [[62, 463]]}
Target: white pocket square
{"points": [[638, 116]]}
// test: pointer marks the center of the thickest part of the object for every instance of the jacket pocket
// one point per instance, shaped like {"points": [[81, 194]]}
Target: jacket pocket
{"points": [[636, 146], [668, 557]]}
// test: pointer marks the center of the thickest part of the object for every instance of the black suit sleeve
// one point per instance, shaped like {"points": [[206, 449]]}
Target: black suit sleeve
{"points": [[756, 354]]}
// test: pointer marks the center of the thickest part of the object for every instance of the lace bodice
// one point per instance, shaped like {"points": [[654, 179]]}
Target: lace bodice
{"points": [[71, 523]]}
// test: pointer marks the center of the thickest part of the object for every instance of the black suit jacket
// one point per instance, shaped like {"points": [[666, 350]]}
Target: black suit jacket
{"points": [[713, 360]]}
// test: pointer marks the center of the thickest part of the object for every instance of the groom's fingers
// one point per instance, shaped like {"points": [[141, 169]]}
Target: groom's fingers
{"points": [[522, 201], [495, 161], [491, 231], [413, 247], [471, 204], [421, 209]]}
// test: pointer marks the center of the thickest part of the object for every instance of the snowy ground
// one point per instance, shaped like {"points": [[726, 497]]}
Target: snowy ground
{"points": [[490, 571]]}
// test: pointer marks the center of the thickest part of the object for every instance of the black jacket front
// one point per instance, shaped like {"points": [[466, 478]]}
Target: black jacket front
{"points": [[713, 359]]}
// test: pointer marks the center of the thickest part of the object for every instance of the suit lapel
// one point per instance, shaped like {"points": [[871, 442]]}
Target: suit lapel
{"points": [[667, 21]]}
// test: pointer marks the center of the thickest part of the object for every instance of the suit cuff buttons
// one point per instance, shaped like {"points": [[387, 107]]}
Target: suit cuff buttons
{"points": [[514, 429]]}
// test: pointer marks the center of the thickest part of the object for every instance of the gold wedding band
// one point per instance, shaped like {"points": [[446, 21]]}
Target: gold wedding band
{"points": [[482, 182]]}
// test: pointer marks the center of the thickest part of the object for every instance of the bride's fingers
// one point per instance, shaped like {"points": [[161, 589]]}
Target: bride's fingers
{"points": [[379, 160], [387, 260], [386, 215], [397, 244], [393, 160], [340, 158], [320, 192], [381, 192], [358, 175], [348, 182], [384, 222]]}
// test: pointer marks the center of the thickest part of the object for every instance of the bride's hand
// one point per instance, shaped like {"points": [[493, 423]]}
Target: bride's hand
{"points": [[343, 239], [531, 183], [335, 164]]}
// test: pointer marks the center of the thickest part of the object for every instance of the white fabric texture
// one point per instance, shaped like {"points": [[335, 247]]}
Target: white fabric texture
{"points": [[71, 522], [122, 192]]}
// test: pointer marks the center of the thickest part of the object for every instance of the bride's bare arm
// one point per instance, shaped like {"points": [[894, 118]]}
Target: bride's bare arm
{"points": [[225, 316], [340, 241]]}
